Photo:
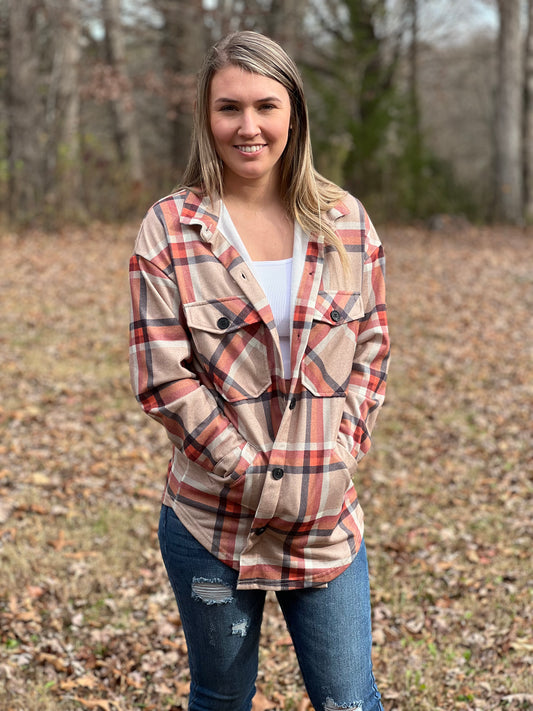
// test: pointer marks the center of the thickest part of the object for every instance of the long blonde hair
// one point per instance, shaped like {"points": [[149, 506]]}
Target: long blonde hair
{"points": [[306, 194]]}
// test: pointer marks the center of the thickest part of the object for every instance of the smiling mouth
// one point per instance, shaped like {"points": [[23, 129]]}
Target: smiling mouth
{"points": [[250, 149]]}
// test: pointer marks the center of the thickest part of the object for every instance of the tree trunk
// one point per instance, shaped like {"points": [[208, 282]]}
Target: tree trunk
{"points": [[415, 161], [126, 134], [65, 191], [286, 25], [508, 173], [24, 112], [528, 118], [183, 48]]}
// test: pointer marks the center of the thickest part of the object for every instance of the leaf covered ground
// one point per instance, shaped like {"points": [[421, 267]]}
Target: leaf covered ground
{"points": [[87, 619]]}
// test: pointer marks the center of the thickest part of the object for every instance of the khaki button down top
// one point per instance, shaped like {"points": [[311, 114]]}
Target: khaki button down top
{"points": [[262, 467]]}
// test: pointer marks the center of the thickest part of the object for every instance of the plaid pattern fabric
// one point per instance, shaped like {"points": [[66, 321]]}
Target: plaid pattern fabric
{"points": [[262, 467]]}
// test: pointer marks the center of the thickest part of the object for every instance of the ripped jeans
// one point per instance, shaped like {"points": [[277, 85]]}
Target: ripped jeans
{"points": [[329, 627]]}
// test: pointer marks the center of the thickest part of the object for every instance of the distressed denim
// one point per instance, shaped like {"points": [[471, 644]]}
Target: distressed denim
{"points": [[330, 628]]}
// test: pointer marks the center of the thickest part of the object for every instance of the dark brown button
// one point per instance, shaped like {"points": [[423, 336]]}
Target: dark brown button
{"points": [[223, 322], [277, 473], [335, 316]]}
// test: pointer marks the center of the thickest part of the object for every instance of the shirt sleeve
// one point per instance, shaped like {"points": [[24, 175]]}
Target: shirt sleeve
{"points": [[366, 388], [160, 360]]}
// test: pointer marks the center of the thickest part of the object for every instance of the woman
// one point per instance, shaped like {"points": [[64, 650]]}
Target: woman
{"points": [[259, 341]]}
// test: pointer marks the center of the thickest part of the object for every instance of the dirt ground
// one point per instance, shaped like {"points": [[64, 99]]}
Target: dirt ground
{"points": [[87, 619]]}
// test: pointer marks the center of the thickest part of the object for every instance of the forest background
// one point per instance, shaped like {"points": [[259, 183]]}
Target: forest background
{"points": [[423, 109], [419, 107]]}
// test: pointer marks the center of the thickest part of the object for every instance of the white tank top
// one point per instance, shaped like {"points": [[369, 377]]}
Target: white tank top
{"points": [[275, 279]]}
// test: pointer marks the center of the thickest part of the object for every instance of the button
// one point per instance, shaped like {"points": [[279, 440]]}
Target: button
{"points": [[277, 473], [335, 316], [223, 322], [261, 530], [292, 403]]}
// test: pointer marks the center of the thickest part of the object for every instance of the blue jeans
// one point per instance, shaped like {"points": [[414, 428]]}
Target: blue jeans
{"points": [[330, 629]]}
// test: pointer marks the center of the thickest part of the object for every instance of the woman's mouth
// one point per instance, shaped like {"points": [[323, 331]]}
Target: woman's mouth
{"points": [[250, 149]]}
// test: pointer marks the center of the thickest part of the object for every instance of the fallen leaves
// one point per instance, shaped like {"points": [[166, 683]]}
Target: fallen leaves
{"points": [[87, 618]]}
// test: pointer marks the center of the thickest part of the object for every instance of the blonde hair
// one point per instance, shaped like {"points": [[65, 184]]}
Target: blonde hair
{"points": [[306, 194]]}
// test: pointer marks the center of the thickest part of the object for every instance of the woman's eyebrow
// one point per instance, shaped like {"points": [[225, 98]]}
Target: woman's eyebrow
{"points": [[226, 100]]}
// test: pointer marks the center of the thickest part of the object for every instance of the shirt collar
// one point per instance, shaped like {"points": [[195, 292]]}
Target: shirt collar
{"points": [[199, 210]]}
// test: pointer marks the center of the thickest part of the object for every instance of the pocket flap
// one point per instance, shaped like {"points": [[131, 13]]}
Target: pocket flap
{"points": [[338, 307], [221, 315]]}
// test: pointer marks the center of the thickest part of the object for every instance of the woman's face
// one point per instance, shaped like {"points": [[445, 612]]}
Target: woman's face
{"points": [[250, 118]]}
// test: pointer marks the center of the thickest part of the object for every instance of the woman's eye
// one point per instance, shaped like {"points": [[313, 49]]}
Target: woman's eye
{"points": [[268, 107], [229, 107]]}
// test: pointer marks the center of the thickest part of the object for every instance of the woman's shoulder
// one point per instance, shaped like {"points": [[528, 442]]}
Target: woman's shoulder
{"points": [[352, 221], [347, 205], [162, 219], [181, 203], [171, 217], [178, 197]]}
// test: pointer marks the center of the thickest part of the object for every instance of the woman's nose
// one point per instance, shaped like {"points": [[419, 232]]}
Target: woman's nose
{"points": [[248, 125]]}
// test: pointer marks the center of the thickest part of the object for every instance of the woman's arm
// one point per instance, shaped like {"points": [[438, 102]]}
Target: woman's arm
{"points": [[366, 388], [163, 382]]}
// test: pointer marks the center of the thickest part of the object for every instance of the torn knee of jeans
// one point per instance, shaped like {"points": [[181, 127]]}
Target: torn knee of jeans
{"points": [[240, 628], [330, 705], [212, 591]]}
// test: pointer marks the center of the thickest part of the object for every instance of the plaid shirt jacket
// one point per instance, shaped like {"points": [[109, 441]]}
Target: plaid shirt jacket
{"points": [[262, 466]]}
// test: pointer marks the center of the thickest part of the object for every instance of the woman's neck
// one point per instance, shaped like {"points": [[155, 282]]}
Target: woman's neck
{"points": [[252, 196], [262, 222]]}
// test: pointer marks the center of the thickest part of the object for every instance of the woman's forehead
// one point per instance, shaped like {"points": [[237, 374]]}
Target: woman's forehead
{"points": [[241, 81]]}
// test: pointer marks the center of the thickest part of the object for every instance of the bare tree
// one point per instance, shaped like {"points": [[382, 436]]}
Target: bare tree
{"points": [[183, 43], [414, 104], [226, 16], [353, 77], [64, 189], [528, 117], [285, 24], [508, 169], [24, 110], [123, 108]]}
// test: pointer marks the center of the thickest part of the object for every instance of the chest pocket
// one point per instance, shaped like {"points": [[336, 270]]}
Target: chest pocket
{"points": [[328, 358], [229, 339]]}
